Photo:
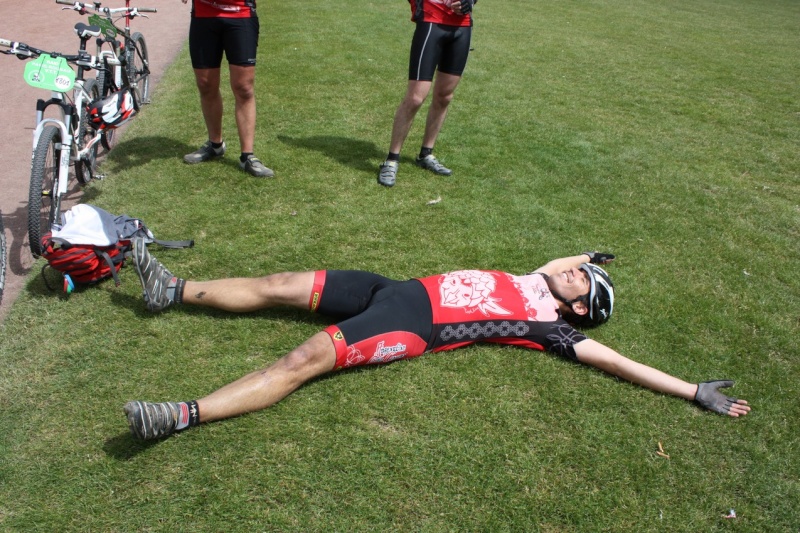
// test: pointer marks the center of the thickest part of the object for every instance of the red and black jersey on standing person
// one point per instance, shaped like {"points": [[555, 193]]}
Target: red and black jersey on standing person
{"points": [[224, 8], [437, 12]]}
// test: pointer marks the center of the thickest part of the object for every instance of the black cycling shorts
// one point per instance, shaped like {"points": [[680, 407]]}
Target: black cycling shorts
{"points": [[438, 46], [382, 320], [210, 37]]}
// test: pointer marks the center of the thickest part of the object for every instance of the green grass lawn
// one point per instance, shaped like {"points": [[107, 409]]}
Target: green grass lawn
{"points": [[666, 132]]}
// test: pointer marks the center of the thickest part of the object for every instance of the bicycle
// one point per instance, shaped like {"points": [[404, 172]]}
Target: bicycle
{"points": [[120, 60], [58, 142], [131, 54]]}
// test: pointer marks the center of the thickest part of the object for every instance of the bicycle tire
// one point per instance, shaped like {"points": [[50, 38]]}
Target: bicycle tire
{"points": [[3, 257], [138, 66], [85, 168], [43, 200], [106, 86]]}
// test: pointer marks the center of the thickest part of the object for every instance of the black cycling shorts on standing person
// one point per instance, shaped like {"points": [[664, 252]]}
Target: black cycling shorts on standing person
{"points": [[438, 45], [210, 37]]}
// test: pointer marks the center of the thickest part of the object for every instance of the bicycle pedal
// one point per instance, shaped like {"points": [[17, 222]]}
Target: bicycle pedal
{"points": [[99, 177]]}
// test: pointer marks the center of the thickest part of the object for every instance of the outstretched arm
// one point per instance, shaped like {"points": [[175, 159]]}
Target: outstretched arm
{"points": [[706, 394], [565, 263]]}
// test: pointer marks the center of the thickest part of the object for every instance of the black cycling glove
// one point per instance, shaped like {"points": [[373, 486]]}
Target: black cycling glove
{"points": [[599, 258], [466, 6], [709, 397]]}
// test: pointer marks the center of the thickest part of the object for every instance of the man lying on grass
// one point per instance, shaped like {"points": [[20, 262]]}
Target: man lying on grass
{"points": [[382, 320]]}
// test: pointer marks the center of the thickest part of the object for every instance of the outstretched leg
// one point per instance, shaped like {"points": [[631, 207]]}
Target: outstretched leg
{"points": [[253, 392], [161, 289], [241, 295]]}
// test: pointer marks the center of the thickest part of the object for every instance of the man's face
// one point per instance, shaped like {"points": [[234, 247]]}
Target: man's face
{"points": [[570, 284]]}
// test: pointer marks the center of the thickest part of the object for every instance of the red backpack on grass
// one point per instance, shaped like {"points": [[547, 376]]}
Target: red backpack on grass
{"points": [[92, 245]]}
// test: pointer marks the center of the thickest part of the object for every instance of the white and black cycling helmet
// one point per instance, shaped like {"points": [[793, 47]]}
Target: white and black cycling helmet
{"points": [[112, 111], [600, 300]]}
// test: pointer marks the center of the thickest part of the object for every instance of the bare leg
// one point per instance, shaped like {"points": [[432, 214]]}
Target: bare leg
{"points": [[251, 294], [443, 91], [264, 388], [416, 93], [210, 101], [242, 84]]}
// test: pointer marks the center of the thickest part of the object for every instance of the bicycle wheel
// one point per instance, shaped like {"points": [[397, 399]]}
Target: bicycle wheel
{"points": [[106, 86], [43, 199], [138, 67], [2, 257], [85, 168]]}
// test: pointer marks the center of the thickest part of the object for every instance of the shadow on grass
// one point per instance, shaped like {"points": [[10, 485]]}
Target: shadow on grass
{"points": [[354, 153], [142, 150], [125, 446]]}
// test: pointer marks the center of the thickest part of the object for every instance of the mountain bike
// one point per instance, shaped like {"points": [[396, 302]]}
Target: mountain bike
{"points": [[128, 59], [131, 53], [63, 141]]}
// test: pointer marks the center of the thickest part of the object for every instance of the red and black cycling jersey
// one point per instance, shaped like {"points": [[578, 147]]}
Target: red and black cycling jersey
{"points": [[223, 8], [472, 306], [438, 12]]}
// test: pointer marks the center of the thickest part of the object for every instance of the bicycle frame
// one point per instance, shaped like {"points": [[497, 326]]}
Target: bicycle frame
{"points": [[71, 133], [121, 52], [69, 112]]}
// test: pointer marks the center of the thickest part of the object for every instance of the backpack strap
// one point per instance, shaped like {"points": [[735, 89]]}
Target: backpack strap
{"points": [[175, 244], [110, 263]]}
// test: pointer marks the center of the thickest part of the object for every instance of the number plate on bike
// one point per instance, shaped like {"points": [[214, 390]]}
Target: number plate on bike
{"points": [[108, 29], [51, 73]]}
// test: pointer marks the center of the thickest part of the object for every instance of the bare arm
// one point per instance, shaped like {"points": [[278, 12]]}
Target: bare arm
{"points": [[604, 358], [562, 264], [566, 263]]}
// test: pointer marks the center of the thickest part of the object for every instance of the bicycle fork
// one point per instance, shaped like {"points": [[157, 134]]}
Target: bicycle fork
{"points": [[63, 148]]}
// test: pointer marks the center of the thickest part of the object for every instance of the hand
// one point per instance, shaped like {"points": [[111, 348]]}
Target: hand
{"points": [[599, 258], [462, 7], [711, 398]]}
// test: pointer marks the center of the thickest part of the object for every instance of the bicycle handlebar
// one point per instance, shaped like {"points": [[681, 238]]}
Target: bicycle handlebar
{"points": [[24, 51], [83, 8]]}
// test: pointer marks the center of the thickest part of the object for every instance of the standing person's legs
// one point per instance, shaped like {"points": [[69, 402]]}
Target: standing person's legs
{"points": [[205, 47], [241, 49], [443, 91], [210, 101], [416, 93], [455, 52], [242, 85]]}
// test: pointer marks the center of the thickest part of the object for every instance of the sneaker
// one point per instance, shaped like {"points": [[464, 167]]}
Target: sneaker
{"points": [[253, 166], [429, 162], [204, 153], [154, 276], [387, 174], [152, 420]]}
